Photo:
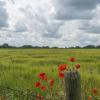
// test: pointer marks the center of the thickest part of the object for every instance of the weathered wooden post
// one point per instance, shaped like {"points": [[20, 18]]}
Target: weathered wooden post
{"points": [[72, 85]]}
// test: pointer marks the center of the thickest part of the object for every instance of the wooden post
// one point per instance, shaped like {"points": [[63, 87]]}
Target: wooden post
{"points": [[72, 85]]}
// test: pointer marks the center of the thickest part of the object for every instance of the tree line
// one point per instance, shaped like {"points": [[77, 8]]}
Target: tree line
{"points": [[5, 45]]}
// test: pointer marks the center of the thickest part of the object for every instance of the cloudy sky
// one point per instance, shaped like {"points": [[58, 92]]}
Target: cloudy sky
{"points": [[50, 22]]}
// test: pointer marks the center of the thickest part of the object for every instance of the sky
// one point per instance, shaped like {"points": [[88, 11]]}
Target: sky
{"points": [[62, 23]]}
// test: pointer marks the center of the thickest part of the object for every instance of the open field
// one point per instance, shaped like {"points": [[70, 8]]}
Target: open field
{"points": [[19, 68]]}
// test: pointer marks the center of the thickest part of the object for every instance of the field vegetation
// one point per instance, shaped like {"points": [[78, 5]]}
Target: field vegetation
{"points": [[19, 69]]}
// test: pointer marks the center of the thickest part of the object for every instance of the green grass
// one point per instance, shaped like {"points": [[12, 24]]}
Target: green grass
{"points": [[19, 67]]}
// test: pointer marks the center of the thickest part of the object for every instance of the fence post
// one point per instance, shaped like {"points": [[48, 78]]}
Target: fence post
{"points": [[72, 85]]}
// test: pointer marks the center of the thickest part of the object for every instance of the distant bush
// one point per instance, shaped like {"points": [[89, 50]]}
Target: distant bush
{"points": [[6, 45]]}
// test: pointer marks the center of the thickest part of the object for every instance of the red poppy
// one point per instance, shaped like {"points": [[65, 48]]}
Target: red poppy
{"points": [[90, 98], [61, 75], [42, 76], [37, 84], [43, 88], [51, 83], [72, 59], [45, 78], [77, 66], [62, 67], [94, 91]]}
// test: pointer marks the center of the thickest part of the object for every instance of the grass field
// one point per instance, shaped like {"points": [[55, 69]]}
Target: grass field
{"points": [[19, 69]]}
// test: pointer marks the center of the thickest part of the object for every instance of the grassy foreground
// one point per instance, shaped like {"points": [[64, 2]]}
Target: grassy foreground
{"points": [[19, 69]]}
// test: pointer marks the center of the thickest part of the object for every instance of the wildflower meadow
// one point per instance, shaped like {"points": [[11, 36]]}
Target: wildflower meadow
{"points": [[39, 74]]}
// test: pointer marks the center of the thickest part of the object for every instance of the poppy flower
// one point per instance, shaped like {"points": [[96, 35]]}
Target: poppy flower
{"points": [[37, 84], [62, 67], [51, 83], [94, 91], [90, 98], [45, 78], [72, 59], [61, 75], [42, 76], [43, 88], [77, 66]]}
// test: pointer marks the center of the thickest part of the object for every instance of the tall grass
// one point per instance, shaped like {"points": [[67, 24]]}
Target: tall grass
{"points": [[19, 69]]}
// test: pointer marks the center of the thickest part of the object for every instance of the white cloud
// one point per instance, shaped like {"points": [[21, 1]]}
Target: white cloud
{"points": [[51, 22]]}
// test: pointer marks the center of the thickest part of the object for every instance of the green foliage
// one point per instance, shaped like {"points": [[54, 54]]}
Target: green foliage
{"points": [[19, 68]]}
